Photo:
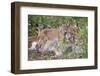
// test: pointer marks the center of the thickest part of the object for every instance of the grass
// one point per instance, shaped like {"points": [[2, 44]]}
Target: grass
{"points": [[67, 54]]}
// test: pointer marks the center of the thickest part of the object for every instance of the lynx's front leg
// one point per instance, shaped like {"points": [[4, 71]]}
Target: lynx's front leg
{"points": [[57, 52]]}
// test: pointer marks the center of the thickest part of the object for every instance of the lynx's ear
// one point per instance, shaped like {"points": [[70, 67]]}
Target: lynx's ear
{"points": [[77, 25]]}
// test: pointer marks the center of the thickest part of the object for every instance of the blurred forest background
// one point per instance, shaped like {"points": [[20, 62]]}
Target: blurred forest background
{"points": [[35, 21]]}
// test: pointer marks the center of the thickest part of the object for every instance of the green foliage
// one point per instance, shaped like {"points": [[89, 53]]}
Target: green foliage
{"points": [[83, 33], [53, 21], [35, 21]]}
